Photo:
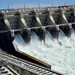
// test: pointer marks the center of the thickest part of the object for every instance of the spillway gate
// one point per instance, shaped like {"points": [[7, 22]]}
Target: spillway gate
{"points": [[27, 20]]}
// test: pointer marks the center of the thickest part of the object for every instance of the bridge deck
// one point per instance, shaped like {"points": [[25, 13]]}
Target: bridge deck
{"points": [[34, 68]]}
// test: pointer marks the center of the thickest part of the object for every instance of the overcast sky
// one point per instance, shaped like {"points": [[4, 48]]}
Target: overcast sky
{"points": [[34, 3]]}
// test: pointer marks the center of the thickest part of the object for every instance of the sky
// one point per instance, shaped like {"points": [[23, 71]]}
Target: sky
{"points": [[33, 3]]}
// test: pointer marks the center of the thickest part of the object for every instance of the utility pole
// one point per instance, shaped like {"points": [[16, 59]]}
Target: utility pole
{"points": [[52, 4], [24, 6], [8, 7], [39, 6]]}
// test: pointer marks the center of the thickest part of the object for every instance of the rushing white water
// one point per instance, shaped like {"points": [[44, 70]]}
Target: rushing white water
{"points": [[60, 54]]}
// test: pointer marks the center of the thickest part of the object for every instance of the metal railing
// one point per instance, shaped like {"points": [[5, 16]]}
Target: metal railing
{"points": [[31, 67]]}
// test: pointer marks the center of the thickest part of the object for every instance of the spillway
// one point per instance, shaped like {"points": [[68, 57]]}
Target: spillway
{"points": [[45, 36], [60, 56]]}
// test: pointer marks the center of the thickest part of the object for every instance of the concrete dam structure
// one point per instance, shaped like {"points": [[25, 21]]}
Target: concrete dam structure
{"points": [[43, 38]]}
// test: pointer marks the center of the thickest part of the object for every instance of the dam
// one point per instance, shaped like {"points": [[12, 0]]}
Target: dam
{"points": [[42, 37]]}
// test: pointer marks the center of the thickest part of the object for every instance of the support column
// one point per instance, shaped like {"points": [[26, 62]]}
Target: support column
{"points": [[37, 17], [26, 33], [22, 20], [52, 19], [42, 29], [50, 16], [6, 20], [62, 13], [66, 29], [54, 31], [73, 10]]}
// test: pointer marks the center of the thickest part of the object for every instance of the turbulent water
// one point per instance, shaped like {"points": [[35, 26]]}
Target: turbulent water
{"points": [[60, 54]]}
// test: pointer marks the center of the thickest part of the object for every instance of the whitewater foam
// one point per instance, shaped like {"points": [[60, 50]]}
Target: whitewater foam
{"points": [[59, 53]]}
